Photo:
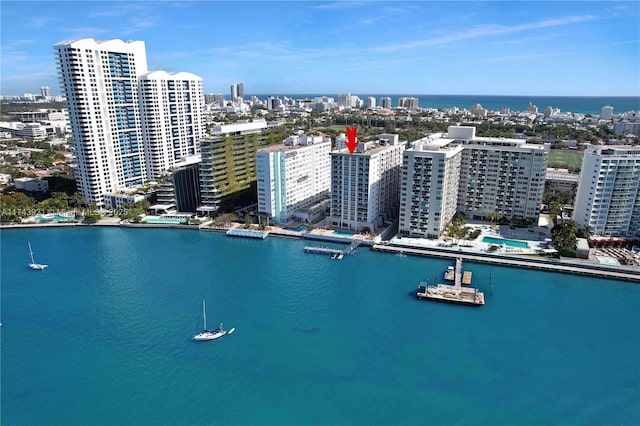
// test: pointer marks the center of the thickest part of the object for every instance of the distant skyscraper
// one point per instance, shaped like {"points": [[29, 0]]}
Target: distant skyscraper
{"points": [[100, 82], [608, 198], [45, 91], [606, 113], [385, 102], [408, 103], [344, 100], [371, 102], [237, 91]]}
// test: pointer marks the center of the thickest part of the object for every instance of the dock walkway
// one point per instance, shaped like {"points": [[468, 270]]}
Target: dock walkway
{"points": [[339, 254]]}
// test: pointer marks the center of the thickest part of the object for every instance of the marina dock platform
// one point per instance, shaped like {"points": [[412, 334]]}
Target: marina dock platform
{"points": [[452, 293], [450, 275]]}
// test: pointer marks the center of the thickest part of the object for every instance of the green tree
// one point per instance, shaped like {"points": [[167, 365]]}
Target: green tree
{"points": [[564, 237]]}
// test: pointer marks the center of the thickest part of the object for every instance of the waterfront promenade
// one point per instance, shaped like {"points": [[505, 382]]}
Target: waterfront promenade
{"points": [[402, 246], [552, 265]]}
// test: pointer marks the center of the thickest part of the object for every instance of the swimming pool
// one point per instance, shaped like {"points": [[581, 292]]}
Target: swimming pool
{"points": [[164, 220], [500, 241], [55, 217], [607, 260], [343, 234], [299, 228]]}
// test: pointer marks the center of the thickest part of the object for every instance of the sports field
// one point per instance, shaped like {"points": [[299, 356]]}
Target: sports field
{"points": [[565, 159]]}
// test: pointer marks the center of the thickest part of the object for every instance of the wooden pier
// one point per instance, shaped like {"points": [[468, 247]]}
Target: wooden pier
{"points": [[450, 274]]}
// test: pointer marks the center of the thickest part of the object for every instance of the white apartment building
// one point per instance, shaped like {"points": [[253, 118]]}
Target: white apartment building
{"points": [[500, 175], [293, 176], [626, 127], [608, 198], [171, 116], [444, 174], [31, 184], [365, 185], [429, 186], [128, 124], [606, 113], [408, 103], [385, 102], [100, 82], [371, 102]]}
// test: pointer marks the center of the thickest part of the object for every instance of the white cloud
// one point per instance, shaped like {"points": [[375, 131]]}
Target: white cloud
{"points": [[482, 31]]}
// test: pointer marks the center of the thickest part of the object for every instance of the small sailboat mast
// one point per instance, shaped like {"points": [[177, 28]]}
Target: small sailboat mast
{"points": [[204, 315], [31, 253], [33, 264]]}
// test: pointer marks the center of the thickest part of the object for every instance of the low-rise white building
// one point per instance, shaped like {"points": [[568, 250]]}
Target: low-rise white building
{"points": [[117, 199], [31, 184]]}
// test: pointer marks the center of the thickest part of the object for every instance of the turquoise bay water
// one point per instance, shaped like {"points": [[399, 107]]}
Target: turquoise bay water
{"points": [[103, 337], [499, 241]]}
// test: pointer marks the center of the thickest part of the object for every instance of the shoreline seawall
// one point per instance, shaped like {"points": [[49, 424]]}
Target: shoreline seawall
{"points": [[629, 275]]}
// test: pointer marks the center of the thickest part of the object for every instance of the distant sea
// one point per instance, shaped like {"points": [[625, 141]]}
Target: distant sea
{"points": [[103, 337], [577, 104]]}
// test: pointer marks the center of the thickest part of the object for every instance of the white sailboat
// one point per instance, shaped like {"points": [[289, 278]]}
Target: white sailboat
{"points": [[33, 264], [213, 333]]}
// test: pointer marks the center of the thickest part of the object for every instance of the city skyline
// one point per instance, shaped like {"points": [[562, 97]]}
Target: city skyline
{"points": [[478, 48]]}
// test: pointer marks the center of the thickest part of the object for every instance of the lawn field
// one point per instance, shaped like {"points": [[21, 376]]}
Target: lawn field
{"points": [[565, 159]]}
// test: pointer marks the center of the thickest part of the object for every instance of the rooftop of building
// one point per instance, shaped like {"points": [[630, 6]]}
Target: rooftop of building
{"points": [[181, 75], [561, 175], [304, 141]]}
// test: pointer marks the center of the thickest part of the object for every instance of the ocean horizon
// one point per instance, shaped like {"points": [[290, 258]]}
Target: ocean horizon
{"points": [[576, 104], [103, 336]]}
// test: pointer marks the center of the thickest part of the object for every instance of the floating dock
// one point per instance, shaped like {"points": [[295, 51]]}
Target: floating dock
{"points": [[450, 275], [452, 293], [322, 250]]}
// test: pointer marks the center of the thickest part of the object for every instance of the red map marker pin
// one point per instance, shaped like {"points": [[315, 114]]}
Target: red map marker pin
{"points": [[352, 143]]}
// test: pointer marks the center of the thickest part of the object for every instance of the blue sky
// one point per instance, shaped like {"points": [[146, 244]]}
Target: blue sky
{"points": [[484, 48]]}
